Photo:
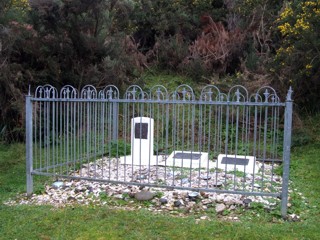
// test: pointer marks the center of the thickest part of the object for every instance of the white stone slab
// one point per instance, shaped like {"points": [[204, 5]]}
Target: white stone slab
{"points": [[231, 162], [135, 161], [141, 142], [188, 159]]}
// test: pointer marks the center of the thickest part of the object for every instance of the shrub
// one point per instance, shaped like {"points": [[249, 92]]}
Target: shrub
{"points": [[216, 46], [73, 42], [298, 58], [168, 53]]}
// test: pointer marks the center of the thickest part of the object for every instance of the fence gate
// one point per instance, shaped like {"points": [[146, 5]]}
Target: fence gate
{"points": [[231, 142]]}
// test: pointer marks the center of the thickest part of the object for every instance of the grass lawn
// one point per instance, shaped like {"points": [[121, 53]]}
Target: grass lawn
{"points": [[93, 222]]}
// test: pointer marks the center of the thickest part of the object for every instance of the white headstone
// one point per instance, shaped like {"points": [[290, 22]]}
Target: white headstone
{"points": [[141, 142]]}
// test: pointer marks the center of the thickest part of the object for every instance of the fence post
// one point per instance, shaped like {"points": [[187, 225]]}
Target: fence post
{"points": [[29, 157], [286, 153]]}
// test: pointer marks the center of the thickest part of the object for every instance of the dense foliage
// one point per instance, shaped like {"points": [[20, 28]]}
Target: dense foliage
{"points": [[100, 42], [299, 53]]}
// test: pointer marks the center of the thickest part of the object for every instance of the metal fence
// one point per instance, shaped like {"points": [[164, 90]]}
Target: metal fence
{"points": [[232, 142]]}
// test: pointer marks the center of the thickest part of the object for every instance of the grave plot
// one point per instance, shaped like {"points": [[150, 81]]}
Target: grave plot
{"points": [[213, 179], [208, 141]]}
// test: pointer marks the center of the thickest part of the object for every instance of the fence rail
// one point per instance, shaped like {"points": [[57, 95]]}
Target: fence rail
{"points": [[221, 142]]}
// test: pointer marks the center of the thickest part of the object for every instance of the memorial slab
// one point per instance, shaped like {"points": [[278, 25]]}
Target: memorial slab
{"points": [[188, 159], [246, 164]]}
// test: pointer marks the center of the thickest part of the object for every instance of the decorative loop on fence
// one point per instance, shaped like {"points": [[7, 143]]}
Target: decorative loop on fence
{"points": [[89, 92], [146, 95], [46, 91], [109, 92], [158, 92], [238, 93], [266, 94], [183, 92], [223, 97], [210, 93], [68, 91], [255, 98], [134, 92]]}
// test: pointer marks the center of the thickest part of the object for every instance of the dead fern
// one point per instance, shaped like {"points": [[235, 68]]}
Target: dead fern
{"points": [[216, 46]]}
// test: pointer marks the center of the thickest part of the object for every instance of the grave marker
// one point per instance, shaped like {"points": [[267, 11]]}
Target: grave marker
{"points": [[241, 163], [141, 142], [188, 159]]}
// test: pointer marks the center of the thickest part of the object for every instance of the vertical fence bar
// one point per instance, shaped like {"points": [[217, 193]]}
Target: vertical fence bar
{"points": [[115, 107], [286, 153], [29, 147]]}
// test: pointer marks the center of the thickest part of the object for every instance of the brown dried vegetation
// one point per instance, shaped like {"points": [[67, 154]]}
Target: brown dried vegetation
{"points": [[216, 46]]}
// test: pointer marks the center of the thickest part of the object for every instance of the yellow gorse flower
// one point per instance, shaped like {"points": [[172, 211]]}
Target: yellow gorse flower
{"points": [[308, 66], [288, 12], [302, 23], [309, 10]]}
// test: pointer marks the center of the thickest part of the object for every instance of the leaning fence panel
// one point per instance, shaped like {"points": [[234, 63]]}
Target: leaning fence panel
{"points": [[220, 142]]}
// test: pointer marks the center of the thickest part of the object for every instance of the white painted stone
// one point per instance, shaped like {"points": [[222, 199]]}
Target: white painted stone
{"points": [[220, 207], [251, 167]]}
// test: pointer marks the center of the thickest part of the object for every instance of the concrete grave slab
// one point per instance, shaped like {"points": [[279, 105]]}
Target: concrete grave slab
{"points": [[188, 159], [231, 162]]}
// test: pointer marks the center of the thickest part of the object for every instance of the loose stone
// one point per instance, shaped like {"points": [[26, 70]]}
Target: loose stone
{"points": [[217, 184], [247, 202], [144, 196], [177, 203], [57, 184], [220, 208], [118, 196], [141, 177], [205, 177], [163, 200], [185, 180], [193, 195]]}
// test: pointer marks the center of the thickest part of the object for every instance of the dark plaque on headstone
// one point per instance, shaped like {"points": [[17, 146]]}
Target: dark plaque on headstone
{"points": [[192, 156], [235, 161], [141, 130]]}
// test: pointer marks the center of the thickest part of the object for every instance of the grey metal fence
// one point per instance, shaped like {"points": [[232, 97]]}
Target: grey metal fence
{"points": [[230, 142]]}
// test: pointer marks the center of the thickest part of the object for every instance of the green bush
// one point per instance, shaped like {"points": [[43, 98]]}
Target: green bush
{"points": [[298, 58], [117, 148], [62, 42]]}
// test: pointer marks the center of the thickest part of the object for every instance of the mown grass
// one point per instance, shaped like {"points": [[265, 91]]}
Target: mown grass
{"points": [[35, 222], [97, 222]]}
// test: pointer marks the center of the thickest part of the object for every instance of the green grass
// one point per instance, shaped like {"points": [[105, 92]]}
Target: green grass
{"points": [[12, 172], [25, 222], [96, 222]]}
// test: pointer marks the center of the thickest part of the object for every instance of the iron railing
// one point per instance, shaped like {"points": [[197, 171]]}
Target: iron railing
{"points": [[230, 142]]}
